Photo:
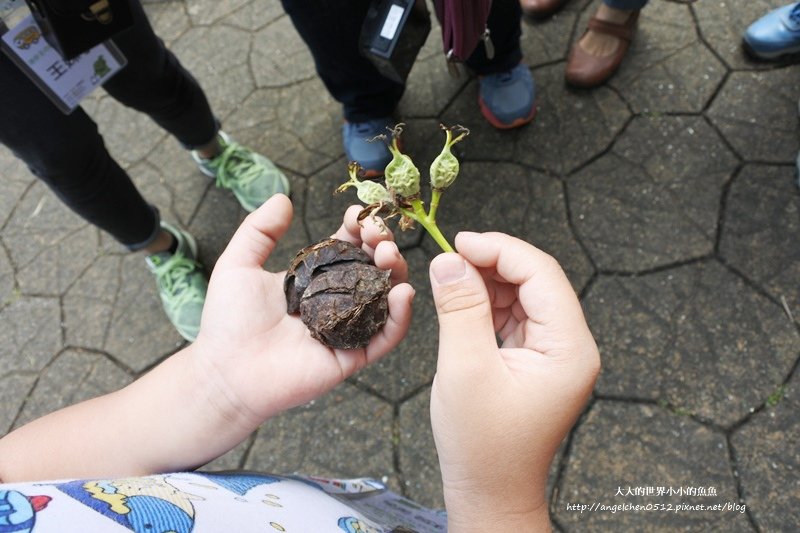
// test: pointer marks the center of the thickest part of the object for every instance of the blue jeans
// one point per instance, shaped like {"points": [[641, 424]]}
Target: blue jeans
{"points": [[331, 30], [67, 152], [626, 5]]}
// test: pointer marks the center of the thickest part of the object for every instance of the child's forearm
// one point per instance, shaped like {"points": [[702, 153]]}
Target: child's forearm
{"points": [[173, 418]]}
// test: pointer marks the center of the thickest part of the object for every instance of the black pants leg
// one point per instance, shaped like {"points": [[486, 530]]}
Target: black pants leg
{"points": [[67, 151], [331, 28]]}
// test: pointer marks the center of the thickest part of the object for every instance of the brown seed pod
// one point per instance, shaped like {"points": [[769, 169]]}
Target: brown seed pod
{"points": [[321, 255], [341, 296]]}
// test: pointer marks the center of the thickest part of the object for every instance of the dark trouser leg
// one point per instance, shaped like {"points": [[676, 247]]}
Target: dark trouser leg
{"points": [[155, 83], [505, 27], [331, 29], [68, 154]]}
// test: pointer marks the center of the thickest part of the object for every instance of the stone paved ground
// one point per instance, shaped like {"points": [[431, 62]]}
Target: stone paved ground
{"points": [[667, 195]]}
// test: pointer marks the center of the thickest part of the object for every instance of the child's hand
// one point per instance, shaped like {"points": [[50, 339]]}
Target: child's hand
{"points": [[265, 360], [500, 413]]}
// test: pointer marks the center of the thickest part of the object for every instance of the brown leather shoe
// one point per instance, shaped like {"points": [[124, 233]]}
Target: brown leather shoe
{"points": [[541, 8], [585, 70]]}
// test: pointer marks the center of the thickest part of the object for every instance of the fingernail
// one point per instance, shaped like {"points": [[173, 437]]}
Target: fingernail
{"points": [[448, 268]]}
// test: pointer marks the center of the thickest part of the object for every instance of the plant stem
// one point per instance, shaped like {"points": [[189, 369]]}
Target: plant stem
{"points": [[436, 194], [427, 222]]}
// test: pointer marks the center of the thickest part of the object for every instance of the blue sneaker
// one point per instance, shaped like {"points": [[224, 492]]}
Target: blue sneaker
{"points": [[775, 34], [372, 156], [508, 99]]}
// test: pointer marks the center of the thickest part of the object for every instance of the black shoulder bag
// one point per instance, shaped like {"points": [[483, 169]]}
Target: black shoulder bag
{"points": [[75, 26]]}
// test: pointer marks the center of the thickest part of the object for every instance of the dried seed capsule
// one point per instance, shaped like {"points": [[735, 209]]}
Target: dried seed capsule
{"points": [[367, 191], [401, 174], [444, 169], [346, 305], [310, 259], [342, 298]]}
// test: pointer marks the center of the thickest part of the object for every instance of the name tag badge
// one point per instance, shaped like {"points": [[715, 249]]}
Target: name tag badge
{"points": [[65, 82]]}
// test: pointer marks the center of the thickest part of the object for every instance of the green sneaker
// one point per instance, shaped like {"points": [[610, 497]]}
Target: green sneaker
{"points": [[182, 284], [250, 176]]}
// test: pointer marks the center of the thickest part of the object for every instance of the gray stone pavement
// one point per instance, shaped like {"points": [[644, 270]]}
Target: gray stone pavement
{"points": [[667, 195]]}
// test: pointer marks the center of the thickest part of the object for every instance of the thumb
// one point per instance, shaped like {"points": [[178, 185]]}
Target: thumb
{"points": [[463, 307], [257, 236]]}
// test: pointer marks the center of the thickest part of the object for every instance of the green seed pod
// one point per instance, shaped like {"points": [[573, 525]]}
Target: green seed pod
{"points": [[444, 169], [367, 191], [371, 192], [402, 175]]}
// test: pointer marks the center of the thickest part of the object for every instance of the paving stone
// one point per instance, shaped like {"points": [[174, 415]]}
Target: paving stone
{"points": [[39, 221], [347, 433], [430, 87], [7, 292], [140, 333], [546, 227], [487, 197], [128, 134], [73, 377], [177, 186], [57, 267], [768, 462], [655, 198], [216, 221], [155, 185], [255, 14], [413, 363], [310, 114], [417, 457], [168, 19], [322, 201], [571, 127], [548, 40], [621, 445], [218, 57], [279, 57], [89, 303], [14, 389], [723, 23], [210, 11], [667, 68], [16, 180], [762, 220], [301, 134], [696, 337], [30, 333], [757, 113]]}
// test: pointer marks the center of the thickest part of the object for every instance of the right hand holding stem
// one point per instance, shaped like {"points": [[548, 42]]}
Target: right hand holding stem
{"points": [[499, 413]]}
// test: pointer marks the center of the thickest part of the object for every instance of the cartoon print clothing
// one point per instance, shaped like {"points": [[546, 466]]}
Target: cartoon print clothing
{"points": [[211, 503]]}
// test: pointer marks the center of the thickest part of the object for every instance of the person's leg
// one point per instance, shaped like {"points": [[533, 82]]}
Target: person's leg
{"points": [[613, 11], [331, 29], [505, 29], [68, 154], [600, 50], [507, 91], [155, 83]]}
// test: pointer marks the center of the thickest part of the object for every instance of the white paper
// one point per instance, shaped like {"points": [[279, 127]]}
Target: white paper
{"points": [[69, 80], [392, 21]]}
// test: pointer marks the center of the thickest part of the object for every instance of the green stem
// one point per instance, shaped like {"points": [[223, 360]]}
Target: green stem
{"points": [[430, 226], [436, 194]]}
